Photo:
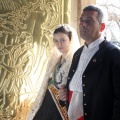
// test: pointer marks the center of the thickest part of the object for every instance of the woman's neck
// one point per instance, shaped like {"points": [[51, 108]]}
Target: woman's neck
{"points": [[63, 56], [61, 59]]}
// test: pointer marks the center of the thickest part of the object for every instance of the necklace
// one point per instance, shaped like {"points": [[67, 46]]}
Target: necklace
{"points": [[59, 74]]}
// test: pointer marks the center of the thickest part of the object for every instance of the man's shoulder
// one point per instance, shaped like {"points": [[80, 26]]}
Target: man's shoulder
{"points": [[110, 49], [109, 45]]}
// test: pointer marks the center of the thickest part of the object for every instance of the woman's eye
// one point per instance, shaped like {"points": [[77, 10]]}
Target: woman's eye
{"points": [[62, 40], [55, 40]]}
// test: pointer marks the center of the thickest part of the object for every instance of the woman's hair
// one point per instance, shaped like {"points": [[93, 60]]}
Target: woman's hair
{"points": [[63, 29], [100, 16]]}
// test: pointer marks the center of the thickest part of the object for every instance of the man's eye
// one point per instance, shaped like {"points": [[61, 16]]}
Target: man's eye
{"points": [[88, 21], [81, 20]]}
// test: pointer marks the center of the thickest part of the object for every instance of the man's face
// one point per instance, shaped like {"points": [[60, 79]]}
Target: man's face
{"points": [[89, 26]]}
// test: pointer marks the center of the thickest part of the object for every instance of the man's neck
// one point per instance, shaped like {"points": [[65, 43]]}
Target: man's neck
{"points": [[87, 42]]}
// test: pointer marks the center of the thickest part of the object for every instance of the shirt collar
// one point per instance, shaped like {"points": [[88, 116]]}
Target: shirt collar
{"points": [[95, 43]]}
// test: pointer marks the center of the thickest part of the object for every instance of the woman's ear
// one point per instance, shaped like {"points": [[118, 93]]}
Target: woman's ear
{"points": [[102, 27]]}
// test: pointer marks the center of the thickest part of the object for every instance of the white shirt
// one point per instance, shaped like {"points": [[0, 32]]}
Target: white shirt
{"points": [[76, 104]]}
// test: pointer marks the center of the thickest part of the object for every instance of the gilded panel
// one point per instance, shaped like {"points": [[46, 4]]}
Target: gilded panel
{"points": [[25, 42]]}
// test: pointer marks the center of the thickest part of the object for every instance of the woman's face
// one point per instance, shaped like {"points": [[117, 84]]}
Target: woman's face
{"points": [[62, 42]]}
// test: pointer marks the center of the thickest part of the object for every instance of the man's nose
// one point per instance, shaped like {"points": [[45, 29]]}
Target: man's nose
{"points": [[83, 23]]}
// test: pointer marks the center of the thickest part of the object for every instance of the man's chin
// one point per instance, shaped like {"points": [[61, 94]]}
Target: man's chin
{"points": [[83, 36]]}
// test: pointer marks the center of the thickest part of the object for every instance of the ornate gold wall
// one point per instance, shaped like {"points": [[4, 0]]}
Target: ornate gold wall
{"points": [[25, 27], [25, 42]]}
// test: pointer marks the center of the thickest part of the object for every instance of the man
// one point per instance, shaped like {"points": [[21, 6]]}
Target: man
{"points": [[94, 77]]}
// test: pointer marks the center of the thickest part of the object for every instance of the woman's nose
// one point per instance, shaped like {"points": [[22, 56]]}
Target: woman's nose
{"points": [[60, 43]]}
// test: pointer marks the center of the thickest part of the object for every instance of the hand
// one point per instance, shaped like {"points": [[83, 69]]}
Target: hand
{"points": [[63, 94]]}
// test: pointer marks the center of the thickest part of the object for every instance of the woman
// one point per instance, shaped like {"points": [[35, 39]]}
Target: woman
{"points": [[47, 105]]}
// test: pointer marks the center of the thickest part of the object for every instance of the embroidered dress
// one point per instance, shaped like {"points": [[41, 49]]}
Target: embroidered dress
{"points": [[51, 109]]}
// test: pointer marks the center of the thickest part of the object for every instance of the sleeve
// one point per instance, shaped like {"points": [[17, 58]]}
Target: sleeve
{"points": [[116, 84]]}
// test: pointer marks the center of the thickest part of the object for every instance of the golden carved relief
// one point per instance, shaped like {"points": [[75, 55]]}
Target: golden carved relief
{"points": [[25, 28]]}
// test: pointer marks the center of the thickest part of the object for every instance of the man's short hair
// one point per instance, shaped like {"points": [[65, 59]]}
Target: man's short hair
{"points": [[100, 16]]}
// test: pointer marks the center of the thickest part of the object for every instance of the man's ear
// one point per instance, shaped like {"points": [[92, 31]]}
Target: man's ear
{"points": [[102, 27]]}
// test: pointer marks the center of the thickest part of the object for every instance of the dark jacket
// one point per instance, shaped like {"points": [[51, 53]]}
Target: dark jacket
{"points": [[101, 83]]}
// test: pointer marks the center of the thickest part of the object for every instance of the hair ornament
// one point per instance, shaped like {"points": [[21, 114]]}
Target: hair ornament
{"points": [[65, 26]]}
